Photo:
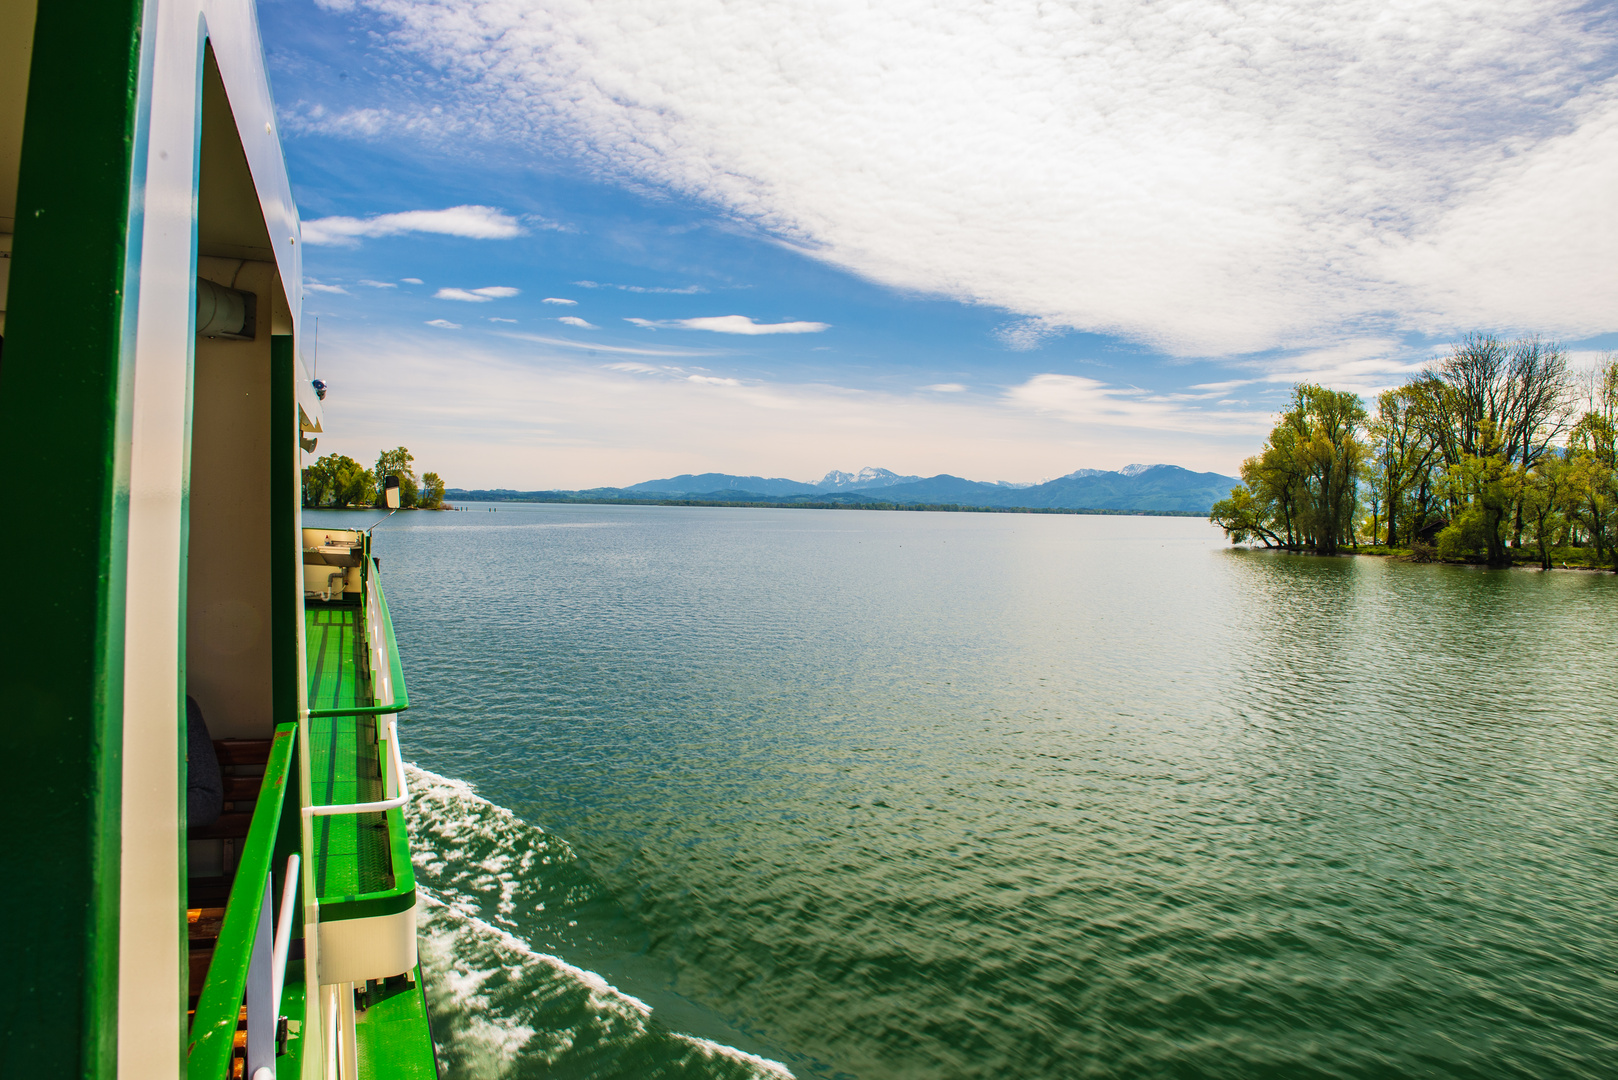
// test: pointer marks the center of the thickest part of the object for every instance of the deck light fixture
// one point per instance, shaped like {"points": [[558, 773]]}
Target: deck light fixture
{"points": [[225, 313]]}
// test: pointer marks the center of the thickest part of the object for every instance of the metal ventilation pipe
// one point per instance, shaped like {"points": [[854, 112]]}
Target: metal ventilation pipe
{"points": [[225, 313]]}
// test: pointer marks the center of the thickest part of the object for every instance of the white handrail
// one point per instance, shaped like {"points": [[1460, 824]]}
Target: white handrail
{"points": [[283, 934], [381, 670], [395, 767], [331, 1033]]}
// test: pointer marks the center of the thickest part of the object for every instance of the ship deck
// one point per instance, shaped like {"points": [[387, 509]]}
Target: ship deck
{"points": [[352, 851], [355, 855]]}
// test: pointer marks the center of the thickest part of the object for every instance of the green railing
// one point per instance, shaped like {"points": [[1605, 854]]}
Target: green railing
{"points": [[401, 696], [382, 651], [244, 937], [384, 626]]}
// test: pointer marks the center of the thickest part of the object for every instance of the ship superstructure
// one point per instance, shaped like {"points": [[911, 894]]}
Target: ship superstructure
{"points": [[157, 406]]}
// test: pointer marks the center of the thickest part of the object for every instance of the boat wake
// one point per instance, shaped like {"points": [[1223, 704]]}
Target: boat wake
{"points": [[493, 887]]}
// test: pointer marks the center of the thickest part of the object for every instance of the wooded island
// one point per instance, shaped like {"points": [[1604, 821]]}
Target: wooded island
{"points": [[1498, 453], [339, 481]]}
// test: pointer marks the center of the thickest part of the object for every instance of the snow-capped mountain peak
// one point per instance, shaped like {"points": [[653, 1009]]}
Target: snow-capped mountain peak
{"points": [[867, 477]]}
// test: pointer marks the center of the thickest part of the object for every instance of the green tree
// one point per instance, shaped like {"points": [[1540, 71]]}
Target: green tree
{"points": [[1401, 465], [1329, 423], [1244, 516], [1543, 493], [1491, 407], [1302, 490], [1592, 502], [356, 484], [397, 462], [337, 480], [432, 491], [1596, 433], [319, 482]]}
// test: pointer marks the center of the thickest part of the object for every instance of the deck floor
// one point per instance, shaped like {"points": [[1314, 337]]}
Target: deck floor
{"points": [[394, 1039], [351, 850]]}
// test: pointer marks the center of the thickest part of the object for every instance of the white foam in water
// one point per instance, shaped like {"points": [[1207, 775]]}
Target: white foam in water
{"points": [[765, 1066], [498, 1000]]}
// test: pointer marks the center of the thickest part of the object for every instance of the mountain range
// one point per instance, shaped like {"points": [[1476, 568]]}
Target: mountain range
{"points": [[1159, 488]]}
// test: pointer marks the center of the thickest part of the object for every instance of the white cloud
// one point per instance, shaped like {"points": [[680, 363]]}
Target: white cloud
{"points": [[558, 300], [315, 286], [496, 318], [1214, 389], [413, 281], [731, 324], [378, 284], [1524, 247], [590, 346], [1026, 334], [307, 119], [477, 296], [1366, 365], [946, 388], [574, 320], [689, 290], [444, 324], [472, 222], [1206, 176], [1093, 403]]}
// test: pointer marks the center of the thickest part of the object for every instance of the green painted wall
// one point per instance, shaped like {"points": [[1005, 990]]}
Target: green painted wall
{"points": [[64, 406], [286, 581]]}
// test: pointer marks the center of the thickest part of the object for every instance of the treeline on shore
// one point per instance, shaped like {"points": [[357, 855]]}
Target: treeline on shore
{"points": [[1498, 453], [338, 481]]}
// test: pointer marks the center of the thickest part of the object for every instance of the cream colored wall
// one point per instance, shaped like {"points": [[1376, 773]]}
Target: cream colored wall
{"points": [[228, 570], [316, 577], [16, 53]]}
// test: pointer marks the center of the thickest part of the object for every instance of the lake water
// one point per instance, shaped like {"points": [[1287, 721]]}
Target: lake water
{"points": [[730, 792]]}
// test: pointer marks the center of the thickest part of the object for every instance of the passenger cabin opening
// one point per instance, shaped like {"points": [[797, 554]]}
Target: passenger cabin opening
{"points": [[239, 636]]}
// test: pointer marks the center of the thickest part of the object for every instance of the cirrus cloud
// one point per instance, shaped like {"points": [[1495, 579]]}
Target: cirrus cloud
{"points": [[1205, 176], [471, 222], [731, 324], [477, 296]]}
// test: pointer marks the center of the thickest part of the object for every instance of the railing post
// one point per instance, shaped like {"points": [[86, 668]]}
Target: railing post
{"points": [[261, 1011], [350, 1049]]}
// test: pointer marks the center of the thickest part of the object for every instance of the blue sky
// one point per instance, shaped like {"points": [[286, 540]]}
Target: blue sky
{"points": [[1003, 242]]}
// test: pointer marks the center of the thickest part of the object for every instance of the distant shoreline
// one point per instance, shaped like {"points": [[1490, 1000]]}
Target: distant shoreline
{"points": [[942, 508]]}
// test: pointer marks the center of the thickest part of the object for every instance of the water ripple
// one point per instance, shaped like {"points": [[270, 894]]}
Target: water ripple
{"points": [[934, 795]]}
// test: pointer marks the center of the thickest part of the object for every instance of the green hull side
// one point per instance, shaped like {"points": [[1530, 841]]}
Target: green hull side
{"points": [[65, 400]]}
